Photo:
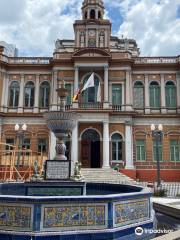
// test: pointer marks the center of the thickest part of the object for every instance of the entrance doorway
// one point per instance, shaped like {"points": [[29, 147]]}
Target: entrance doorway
{"points": [[90, 149]]}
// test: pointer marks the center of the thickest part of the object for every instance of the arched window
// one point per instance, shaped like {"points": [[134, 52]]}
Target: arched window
{"points": [[92, 14], [14, 94], [85, 15], [29, 94], [138, 95], [99, 15], [117, 146], [170, 94], [44, 95], [154, 94], [90, 95]]}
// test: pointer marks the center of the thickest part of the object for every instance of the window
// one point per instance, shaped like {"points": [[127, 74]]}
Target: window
{"points": [[29, 94], [42, 145], [170, 95], [92, 14], [68, 98], [14, 94], [159, 151], [116, 94], [26, 143], [154, 95], [9, 141], [90, 95], [117, 147], [140, 150], [44, 95], [174, 151], [138, 95]]}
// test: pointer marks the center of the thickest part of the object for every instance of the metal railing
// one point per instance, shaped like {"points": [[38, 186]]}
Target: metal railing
{"points": [[172, 189], [90, 105]]}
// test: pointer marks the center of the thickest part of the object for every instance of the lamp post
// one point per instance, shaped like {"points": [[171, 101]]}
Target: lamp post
{"points": [[157, 134], [20, 134]]}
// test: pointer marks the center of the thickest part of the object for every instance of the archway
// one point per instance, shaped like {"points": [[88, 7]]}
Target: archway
{"points": [[90, 149]]}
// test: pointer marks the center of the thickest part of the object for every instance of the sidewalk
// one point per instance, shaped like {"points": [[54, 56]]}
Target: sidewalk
{"points": [[167, 206]]}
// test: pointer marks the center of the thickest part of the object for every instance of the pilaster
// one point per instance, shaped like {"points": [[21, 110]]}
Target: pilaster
{"points": [[36, 104], [147, 104], [54, 92], [52, 145], [128, 91], [106, 145], [74, 148], [163, 98], [106, 83], [76, 80], [21, 95], [129, 146], [178, 90]]}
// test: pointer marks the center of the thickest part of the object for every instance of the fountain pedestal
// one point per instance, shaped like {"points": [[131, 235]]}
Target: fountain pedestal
{"points": [[61, 123], [57, 170]]}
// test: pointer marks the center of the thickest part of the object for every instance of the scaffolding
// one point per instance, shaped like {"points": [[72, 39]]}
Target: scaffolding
{"points": [[18, 164]]}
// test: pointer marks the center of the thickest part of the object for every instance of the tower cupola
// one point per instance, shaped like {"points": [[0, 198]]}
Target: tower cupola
{"points": [[92, 10]]}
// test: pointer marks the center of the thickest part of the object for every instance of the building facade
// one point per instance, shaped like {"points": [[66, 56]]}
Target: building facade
{"points": [[115, 130]]}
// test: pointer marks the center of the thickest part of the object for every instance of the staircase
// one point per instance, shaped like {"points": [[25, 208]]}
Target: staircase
{"points": [[106, 176]]}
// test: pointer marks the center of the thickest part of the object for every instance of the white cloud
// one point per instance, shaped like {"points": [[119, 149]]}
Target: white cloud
{"points": [[153, 24], [42, 23], [34, 25]]}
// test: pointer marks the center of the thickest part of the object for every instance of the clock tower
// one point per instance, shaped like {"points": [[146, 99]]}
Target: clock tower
{"points": [[93, 31]]}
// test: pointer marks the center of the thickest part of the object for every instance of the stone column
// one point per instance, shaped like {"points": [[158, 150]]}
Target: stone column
{"points": [[6, 93], [21, 95], [36, 103], [74, 148], [76, 80], [3, 92], [129, 146], [106, 87], [106, 145], [178, 90], [163, 98], [123, 97], [52, 145], [128, 91], [54, 93], [147, 104], [0, 129]]}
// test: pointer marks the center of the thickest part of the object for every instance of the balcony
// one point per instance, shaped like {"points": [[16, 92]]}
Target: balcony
{"points": [[26, 60], [90, 106], [157, 60]]}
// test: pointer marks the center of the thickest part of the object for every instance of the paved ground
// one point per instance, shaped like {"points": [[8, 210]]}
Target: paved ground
{"points": [[165, 221]]}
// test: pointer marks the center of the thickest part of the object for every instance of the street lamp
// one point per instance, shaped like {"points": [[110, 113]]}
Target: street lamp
{"points": [[20, 134], [157, 134]]}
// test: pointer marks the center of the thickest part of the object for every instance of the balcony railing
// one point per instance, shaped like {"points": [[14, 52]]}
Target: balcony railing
{"points": [[116, 108], [90, 105], [157, 60], [25, 60]]}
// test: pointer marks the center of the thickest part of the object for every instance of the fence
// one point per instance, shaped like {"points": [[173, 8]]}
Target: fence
{"points": [[172, 188]]}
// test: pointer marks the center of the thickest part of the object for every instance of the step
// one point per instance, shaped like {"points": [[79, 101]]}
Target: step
{"points": [[106, 175]]}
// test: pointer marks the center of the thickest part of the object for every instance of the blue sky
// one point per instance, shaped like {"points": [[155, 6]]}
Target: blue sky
{"points": [[34, 25]]}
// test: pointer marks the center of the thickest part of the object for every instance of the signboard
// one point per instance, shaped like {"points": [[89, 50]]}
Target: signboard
{"points": [[57, 170]]}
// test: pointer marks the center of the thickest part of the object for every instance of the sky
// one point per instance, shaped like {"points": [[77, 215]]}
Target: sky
{"points": [[34, 25]]}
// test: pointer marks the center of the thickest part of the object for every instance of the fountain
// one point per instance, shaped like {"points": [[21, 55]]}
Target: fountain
{"points": [[61, 123], [59, 207]]}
